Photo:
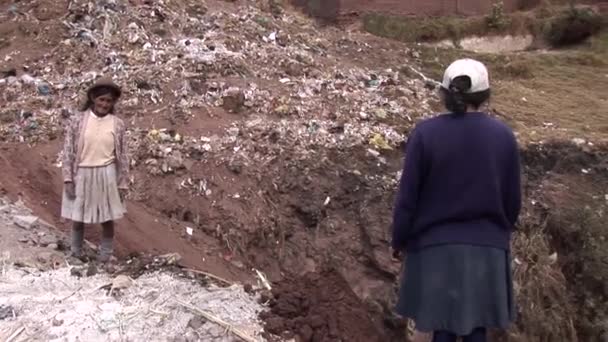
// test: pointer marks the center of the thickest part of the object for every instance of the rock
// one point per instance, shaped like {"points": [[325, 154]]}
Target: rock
{"points": [[238, 264], [53, 246], [45, 257], [6, 311], [579, 141], [234, 100], [248, 288], [165, 167], [235, 166], [175, 161], [12, 72], [25, 221], [57, 322], [196, 322], [294, 69], [317, 321], [76, 272], [306, 333], [275, 325], [265, 297], [380, 113], [121, 282], [91, 270], [44, 89], [46, 240]]}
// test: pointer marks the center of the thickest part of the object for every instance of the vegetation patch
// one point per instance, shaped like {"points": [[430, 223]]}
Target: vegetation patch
{"points": [[573, 26], [557, 26]]}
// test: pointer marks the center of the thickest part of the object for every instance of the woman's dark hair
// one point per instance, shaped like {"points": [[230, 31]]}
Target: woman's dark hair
{"points": [[96, 92], [457, 99]]}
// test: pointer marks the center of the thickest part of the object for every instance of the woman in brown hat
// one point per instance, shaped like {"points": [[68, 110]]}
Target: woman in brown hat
{"points": [[95, 168]]}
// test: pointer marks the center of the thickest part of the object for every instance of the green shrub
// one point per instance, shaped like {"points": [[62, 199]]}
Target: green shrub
{"points": [[498, 19], [573, 26]]}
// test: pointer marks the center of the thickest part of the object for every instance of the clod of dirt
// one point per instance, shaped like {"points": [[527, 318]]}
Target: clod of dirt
{"points": [[6, 311], [196, 322], [91, 270], [234, 100], [76, 272], [319, 307]]}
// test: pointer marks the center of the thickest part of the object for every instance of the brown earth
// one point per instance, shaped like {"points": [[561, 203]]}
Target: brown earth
{"points": [[319, 307], [316, 224]]}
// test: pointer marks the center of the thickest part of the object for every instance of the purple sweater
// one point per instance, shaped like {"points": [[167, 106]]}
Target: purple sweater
{"points": [[460, 184]]}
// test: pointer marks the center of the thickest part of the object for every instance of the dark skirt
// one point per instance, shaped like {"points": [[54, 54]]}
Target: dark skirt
{"points": [[457, 288]]}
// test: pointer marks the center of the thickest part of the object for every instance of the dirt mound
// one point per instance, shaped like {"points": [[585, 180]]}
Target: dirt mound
{"points": [[320, 307]]}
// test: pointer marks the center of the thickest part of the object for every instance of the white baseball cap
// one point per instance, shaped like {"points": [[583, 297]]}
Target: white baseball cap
{"points": [[477, 72]]}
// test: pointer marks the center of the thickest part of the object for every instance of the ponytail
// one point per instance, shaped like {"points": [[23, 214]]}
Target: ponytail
{"points": [[457, 98]]}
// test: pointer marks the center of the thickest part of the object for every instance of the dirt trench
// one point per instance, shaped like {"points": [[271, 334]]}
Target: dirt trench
{"points": [[319, 228]]}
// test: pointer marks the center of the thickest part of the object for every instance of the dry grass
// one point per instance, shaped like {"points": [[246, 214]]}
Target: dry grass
{"points": [[411, 29], [554, 94], [544, 302], [580, 232]]}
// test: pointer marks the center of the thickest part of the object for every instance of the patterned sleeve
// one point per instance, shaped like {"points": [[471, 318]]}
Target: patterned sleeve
{"points": [[123, 157], [69, 153]]}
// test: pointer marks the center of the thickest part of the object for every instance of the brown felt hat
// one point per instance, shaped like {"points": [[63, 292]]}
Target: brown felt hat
{"points": [[105, 82]]}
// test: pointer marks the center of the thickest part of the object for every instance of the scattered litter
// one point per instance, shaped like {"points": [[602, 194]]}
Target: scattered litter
{"points": [[143, 312], [263, 279]]}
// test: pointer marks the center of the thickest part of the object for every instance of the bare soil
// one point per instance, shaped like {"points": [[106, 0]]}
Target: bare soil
{"points": [[319, 307], [318, 224]]}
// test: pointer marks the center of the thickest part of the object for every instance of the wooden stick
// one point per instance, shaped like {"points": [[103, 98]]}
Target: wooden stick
{"points": [[242, 335], [209, 275], [15, 334]]}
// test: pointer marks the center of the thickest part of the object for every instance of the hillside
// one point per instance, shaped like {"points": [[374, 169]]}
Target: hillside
{"points": [[278, 140]]}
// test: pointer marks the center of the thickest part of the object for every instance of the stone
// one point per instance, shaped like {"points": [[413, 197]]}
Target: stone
{"points": [[175, 161], [25, 221], [238, 264], [430, 85], [57, 322], [46, 240], [196, 322], [91, 270], [235, 166], [233, 101], [306, 333], [6, 311], [121, 282], [76, 272], [53, 246]]}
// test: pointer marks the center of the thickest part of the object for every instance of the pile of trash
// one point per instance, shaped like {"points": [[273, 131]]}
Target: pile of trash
{"points": [[177, 57]]}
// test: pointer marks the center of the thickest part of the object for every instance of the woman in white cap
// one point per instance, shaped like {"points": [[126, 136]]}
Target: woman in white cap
{"points": [[95, 168], [457, 205]]}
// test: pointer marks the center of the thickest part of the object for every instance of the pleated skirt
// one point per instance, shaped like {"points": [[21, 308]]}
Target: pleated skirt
{"points": [[457, 288], [97, 197]]}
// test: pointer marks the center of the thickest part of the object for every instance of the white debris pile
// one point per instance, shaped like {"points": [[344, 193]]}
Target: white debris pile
{"points": [[55, 306]]}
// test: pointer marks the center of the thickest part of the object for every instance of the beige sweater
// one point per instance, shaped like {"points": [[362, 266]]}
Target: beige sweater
{"points": [[98, 145]]}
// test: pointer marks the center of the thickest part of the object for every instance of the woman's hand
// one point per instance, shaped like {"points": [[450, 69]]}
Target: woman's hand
{"points": [[70, 190]]}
